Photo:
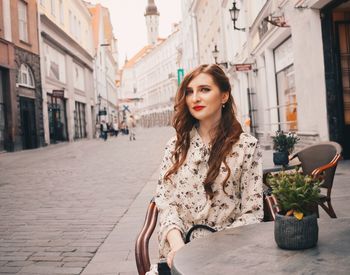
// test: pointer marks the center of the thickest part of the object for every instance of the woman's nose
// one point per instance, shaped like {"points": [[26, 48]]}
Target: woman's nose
{"points": [[195, 97]]}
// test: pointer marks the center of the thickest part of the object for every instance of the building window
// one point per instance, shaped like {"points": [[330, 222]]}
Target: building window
{"points": [[70, 21], [75, 26], [1, 20], [78, 77], [79, 120], [55, 64], [25, 76], [23, 21], [53, 7], [61, 10], [79, 31]]}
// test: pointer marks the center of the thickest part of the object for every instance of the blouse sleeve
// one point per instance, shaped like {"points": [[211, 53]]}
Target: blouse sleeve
{"points": [[251, 187], [167, 208]]}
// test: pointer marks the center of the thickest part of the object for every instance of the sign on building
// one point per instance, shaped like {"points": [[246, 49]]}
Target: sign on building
{"points": [[58, 93], [242, 67], [180, 76]]}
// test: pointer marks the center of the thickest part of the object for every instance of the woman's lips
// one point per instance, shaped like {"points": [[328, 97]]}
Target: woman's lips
{"points": [[198, 108]]}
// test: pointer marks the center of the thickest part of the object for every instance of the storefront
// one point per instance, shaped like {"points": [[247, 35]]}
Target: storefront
{"points": [[336, 37], [57, 118]]}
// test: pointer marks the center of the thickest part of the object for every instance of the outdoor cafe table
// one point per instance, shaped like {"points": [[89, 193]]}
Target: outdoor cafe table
{"points": [[252, 249]]}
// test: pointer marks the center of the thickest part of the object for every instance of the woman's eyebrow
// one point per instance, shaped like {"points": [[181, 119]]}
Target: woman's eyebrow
{"points": [[204, 86]]}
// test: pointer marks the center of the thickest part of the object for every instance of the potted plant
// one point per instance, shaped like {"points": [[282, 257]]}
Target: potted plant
{"points": [[296, 223], [283, 144]]}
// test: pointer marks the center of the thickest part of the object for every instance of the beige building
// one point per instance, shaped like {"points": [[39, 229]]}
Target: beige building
{"points": [[105, 65], [66, 47], [149, 79]]}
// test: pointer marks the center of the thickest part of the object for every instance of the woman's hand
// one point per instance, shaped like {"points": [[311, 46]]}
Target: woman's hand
{"points": [[176, 242], [171, 255]]}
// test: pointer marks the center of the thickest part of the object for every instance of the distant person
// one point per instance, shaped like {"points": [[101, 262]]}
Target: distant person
{"points": [[131, 127], [115, 129], [104, 130], [124, 128]]}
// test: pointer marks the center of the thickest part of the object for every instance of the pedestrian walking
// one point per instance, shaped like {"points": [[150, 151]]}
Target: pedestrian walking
{"points": [[115, 129], [131, 127], [211, 172], [104, 130]]}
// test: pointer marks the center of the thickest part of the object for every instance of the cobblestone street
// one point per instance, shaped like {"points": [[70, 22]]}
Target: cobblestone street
{"points": [[76, 208], [58, 204]]}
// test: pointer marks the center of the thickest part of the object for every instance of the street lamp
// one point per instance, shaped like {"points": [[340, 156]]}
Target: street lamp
{"points": [[234, 12], [216, 55]]}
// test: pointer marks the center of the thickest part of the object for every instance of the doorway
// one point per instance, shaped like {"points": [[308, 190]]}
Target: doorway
{"points": [[2, 111], [28, 125], [335, 22], [57, 119], [343, 39]]}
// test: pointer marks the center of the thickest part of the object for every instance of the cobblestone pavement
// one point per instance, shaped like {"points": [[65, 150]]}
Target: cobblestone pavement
{"points": [[76, 208], [58, 204]]}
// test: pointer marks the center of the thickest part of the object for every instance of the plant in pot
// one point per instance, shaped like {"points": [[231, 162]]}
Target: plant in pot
{"points": [[283, 144], [297, 195]]}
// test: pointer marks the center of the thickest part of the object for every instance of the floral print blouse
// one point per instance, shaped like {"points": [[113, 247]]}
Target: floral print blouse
{"points": [[183, 202]]}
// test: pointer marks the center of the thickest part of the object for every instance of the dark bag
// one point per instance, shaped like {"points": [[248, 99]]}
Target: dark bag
{"points": [[195, 227], [163, 268]]}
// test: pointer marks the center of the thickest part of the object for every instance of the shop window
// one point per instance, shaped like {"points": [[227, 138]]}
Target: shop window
{"points": [[79, 120], [287, 99], [286, 94], [57, 118], [25, 76]]}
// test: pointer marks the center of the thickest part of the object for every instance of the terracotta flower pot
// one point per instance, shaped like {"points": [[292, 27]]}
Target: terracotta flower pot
{"points": [[294, 234]]}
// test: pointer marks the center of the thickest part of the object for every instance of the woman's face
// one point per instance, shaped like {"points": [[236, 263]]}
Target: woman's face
{"points": [[204, 99]]}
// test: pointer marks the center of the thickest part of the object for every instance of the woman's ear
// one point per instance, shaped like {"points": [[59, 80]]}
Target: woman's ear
{"points": [[225, 97]]}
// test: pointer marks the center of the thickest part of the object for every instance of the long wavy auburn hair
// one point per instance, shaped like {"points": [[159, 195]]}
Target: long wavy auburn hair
{"points": [[226, 133]]}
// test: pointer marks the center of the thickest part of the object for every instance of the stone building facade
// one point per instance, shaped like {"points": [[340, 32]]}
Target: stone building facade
{"points": [[21, 121]]}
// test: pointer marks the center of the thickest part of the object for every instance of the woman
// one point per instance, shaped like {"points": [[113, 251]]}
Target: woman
{"points": [[211, 172]]}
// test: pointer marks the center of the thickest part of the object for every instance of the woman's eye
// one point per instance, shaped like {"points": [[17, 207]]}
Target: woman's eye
{"points": [[205, 90], [189, 91]]}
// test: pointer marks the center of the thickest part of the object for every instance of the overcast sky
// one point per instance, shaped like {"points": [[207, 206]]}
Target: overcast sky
{"points": [[129, 24]]}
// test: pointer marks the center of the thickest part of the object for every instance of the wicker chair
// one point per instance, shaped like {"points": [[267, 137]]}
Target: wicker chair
{"points": [[320, 161]]}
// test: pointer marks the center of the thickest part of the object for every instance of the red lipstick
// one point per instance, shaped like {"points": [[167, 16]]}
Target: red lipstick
{"points": [[198, 108]]}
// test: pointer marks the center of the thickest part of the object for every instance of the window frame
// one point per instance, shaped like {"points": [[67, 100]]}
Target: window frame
{"points": [[23, 32], [25, 76]]}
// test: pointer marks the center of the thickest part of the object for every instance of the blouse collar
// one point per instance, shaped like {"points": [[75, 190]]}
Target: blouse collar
{"points": [[201, 151]]}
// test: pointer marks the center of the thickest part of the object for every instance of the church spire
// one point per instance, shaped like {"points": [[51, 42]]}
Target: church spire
{"points": [[152, 22]]}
